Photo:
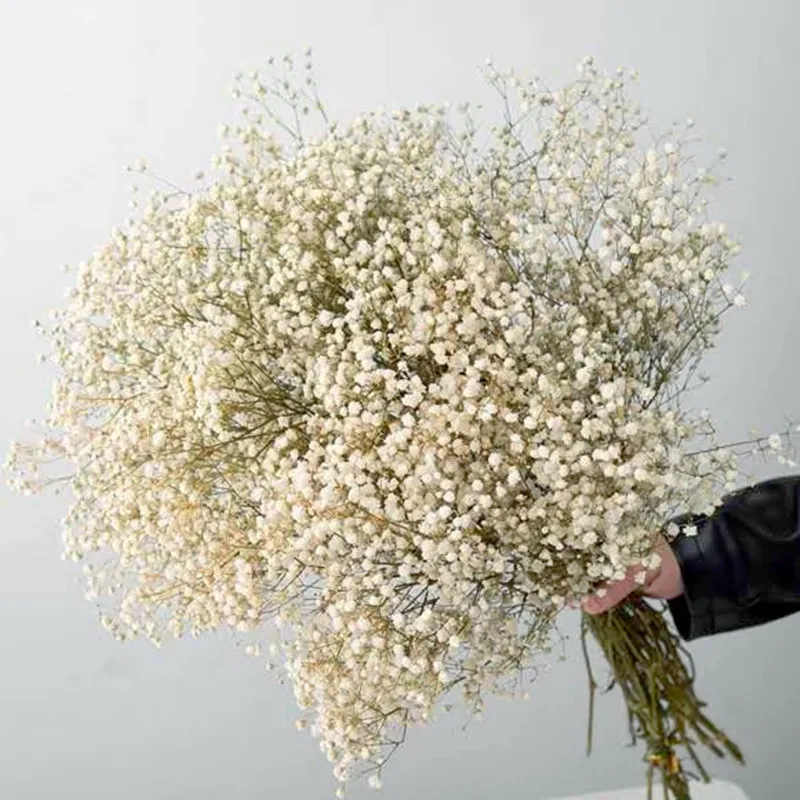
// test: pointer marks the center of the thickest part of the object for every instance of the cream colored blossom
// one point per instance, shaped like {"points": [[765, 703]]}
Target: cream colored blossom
{"points": [[398, 394]]}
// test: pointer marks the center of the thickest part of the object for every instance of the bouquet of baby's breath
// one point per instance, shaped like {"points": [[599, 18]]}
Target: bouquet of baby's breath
{"points": [[402, 386]]}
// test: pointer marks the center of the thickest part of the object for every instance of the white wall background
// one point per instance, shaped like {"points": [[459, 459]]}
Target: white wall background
{"points": [[86, 87]]}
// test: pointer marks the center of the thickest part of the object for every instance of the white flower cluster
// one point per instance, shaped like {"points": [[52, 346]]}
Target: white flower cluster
{"points": [[402, 392]]}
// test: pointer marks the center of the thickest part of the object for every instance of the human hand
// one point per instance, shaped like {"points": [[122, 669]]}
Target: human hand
{"points": [[663, 583]]}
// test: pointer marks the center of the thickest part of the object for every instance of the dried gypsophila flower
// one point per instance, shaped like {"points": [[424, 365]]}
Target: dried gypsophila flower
{"points": [[401, 394]]}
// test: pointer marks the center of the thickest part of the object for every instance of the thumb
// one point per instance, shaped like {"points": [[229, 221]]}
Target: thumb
{"points": [[614, 594]]}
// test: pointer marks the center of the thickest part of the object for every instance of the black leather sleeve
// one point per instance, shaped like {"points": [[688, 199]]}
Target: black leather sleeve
{"points": [[743, 566]]}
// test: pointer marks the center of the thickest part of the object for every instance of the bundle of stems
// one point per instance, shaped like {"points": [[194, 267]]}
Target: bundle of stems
{"points": [[656, 675]]}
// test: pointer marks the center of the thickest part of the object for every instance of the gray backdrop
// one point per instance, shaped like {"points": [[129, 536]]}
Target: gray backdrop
{"points": [[89, 86]]}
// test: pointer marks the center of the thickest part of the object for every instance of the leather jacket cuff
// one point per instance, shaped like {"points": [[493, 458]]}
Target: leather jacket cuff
{"points": [[739, 569], [693, 611], [707, 606]]}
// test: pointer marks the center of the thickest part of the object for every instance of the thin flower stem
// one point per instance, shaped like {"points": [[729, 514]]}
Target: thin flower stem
{"points": [[592, 686]]}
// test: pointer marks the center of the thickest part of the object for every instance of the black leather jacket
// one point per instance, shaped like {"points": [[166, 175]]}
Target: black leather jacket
{"points": [[743, 566]]}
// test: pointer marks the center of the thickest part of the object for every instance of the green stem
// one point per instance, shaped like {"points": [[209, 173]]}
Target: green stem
{"points": [[655, 674], [592, 688]]}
